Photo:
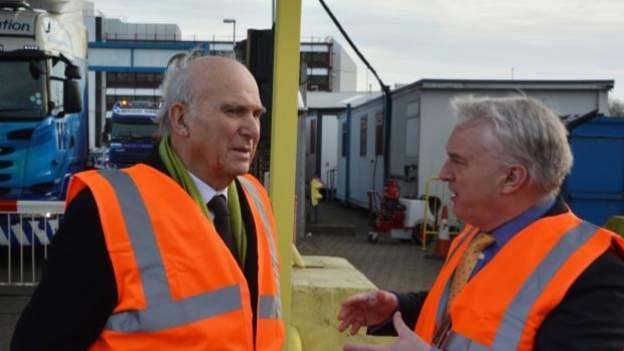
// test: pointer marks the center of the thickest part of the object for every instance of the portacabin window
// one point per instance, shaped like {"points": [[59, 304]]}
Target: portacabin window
{"points": [[363, 134], [379, 133]]}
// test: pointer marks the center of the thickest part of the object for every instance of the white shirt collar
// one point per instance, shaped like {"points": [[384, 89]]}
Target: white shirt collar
{"points": [[206, 191]]}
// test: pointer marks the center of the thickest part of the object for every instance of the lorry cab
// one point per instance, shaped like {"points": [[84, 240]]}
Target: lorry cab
{"points": [[43, 135], [134, 131]]}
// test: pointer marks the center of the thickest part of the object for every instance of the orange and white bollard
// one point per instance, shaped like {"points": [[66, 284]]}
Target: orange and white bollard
{"points": [[441, 247]]}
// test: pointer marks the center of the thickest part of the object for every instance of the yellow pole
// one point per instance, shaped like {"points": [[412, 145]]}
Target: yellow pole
{"points": [[284, 137]]}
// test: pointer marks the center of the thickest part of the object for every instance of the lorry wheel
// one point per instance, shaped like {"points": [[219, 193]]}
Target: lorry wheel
{"points": [[373, 237]]}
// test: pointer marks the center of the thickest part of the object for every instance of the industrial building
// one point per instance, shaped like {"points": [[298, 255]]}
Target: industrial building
{"points": [[421, 123], [128, 60]]}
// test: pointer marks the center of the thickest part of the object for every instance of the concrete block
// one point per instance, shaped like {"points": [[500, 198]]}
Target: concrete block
{"points": [[318, 290]]}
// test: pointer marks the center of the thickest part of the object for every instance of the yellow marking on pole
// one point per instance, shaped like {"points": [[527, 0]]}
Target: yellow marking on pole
{"points": [[284, 137]]}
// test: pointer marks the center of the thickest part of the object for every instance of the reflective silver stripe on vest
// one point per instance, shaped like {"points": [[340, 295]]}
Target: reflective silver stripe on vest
{"points": [[514, 319], [458, 342], [276, 311], [161, 311], [269, 306], [177, 313]]}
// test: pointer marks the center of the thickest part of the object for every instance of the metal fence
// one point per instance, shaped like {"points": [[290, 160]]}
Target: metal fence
{"points": [[26, 229]]}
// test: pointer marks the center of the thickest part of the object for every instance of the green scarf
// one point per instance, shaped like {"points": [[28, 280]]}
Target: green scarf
{"points": [[180, 174]]}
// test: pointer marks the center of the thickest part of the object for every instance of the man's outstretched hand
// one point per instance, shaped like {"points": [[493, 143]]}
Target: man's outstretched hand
{"points": [[407, 341], [366, 309]]}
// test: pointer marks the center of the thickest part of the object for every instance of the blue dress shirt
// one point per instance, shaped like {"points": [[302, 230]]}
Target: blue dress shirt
{"points": [[505, 232]]}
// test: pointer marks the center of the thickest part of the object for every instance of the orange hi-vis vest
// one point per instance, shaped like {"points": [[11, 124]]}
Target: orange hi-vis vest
{"points": [[178, 285], [504, 304]]}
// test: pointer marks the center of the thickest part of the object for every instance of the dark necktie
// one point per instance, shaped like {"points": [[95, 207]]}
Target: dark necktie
{"points": [[218, 207]]}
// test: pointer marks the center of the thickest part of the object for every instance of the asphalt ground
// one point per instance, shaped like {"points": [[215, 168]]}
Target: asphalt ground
{"points": [[391, 264]]}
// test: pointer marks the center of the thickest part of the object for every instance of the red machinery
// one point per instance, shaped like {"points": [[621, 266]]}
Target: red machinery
{"points": [[386, 213], [401, 218]]}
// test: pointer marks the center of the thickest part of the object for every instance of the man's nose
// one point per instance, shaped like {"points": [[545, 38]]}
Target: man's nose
{"points": [[445, 174], [250, 127]]}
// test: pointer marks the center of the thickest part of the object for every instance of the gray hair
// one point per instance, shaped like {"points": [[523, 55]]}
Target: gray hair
{"points": [[529, 133], [176, 86]]}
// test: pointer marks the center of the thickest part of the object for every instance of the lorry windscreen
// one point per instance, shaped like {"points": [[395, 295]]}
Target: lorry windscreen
{"points": [[22, 89]]}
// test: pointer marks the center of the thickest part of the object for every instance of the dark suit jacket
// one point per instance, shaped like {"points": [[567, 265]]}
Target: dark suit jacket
{"points": [[78, 292], [590, 317]]}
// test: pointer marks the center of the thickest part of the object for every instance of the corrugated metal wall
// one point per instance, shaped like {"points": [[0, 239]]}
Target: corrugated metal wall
{"points": [[595, 188]]}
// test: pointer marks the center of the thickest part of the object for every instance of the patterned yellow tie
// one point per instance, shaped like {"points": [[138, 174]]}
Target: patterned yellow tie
{"points": [[468, 263]]}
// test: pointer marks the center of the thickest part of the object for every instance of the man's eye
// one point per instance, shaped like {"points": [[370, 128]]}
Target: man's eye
{"points": [[456, 161]]}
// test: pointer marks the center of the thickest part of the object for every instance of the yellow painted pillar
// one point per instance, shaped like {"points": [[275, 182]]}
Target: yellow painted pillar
{"points": [[284, 137]]}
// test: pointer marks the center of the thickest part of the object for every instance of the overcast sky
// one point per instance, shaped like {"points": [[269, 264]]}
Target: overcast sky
{"points": [[407, 40]]}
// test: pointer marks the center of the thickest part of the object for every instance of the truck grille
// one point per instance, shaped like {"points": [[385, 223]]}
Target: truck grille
{"points": [[5, 150], [21, 134]]}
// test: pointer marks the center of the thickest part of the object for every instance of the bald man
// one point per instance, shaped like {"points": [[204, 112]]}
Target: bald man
{"points": [[177, 252]]}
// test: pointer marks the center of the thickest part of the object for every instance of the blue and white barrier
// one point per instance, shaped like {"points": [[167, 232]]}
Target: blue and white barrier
{"points": [[26, 230]]}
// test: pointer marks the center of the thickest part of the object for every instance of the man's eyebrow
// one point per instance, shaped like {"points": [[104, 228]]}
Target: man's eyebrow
{"points": [[230, 105], [237, 106], [455, 156]]}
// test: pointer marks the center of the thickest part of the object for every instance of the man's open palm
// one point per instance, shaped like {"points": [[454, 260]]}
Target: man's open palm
{"points": [[408, 341]]}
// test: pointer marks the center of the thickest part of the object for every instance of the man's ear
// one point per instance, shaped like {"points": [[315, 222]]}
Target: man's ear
{"points": [[515, 177], [178, 115]]}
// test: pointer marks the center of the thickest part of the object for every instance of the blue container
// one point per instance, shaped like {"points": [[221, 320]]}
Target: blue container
{"points": [[595, 188]]}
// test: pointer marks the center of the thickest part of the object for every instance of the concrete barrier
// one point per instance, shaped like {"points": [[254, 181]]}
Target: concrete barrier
{"points": [[318, 291]]}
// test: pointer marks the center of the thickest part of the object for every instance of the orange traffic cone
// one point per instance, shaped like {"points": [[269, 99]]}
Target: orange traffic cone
{"points": [[441, 247]]}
